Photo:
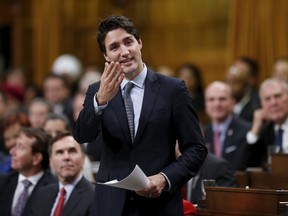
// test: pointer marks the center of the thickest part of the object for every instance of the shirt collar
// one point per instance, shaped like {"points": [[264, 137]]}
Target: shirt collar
{"points": [[75, 182], [33, 179], [284, 126], [222, 127], [138, 80]]}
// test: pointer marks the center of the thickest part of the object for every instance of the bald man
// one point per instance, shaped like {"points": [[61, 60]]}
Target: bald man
{"points": [[231, 141]]}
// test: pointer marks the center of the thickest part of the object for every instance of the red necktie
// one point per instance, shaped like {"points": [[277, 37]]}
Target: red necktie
{"points": [[217, 143], [60, 203]]}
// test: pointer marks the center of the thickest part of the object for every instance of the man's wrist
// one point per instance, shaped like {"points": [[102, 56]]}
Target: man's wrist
{"points": [[99, 100], [167, 183]]}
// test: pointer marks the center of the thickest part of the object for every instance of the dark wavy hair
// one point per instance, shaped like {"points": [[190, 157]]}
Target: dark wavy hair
{"points": [[114, 22]]}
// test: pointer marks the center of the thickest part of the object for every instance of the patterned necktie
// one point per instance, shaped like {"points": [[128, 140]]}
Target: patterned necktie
{"points": [[129, 108], [217, 143], [60, 203], [17, 211], [279, 138]]}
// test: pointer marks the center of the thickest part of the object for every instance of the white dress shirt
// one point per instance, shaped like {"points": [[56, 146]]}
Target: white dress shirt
{"points": [[20, 187]]}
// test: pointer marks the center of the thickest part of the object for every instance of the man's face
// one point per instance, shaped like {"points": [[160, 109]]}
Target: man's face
{"points": [[54, 126], [281, 70], [37, 114], [66, 159], [123, 47], [188, 78], [22, 157], [237, 79], [274, 100], [218, 102], [55, 90]]}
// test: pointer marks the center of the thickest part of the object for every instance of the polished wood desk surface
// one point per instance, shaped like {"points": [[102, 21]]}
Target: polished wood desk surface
{"points": [[240, 201], [275, 176]]}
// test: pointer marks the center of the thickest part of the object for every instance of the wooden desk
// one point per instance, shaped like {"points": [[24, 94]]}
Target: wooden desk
{"points": [[279, 163], [276, 178], [238, 201], [267, 180]]}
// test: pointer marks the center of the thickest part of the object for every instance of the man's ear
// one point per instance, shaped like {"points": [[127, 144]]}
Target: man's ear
{"points": [[37, 159], [140, 43], [106, 57], [51, 164]]}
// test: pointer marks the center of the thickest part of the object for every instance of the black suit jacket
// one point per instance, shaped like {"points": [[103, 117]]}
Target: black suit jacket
{"points": [[167, 115], [78, 204], [236, 150], [259, 149], [213, 168], [8, 184], [253, 104]]}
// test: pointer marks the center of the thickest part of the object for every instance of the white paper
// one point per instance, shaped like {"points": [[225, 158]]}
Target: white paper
{"points": [[136, 180]]}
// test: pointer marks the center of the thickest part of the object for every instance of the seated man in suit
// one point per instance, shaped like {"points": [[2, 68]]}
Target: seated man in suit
{"points": [[268, 120], [226, 135], [73, 194], [58, 123], [30, 161], [213, 168], [242, 78]]}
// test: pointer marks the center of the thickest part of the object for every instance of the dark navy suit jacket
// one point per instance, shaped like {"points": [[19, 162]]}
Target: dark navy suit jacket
{"points": [[236, 150], [213, 168], [259, 149], [167, 115], [8, 184], [78, 204]]}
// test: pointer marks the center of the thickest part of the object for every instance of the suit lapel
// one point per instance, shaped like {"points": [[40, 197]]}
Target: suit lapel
{"points": [[150, 95], [11, 187], [229, 144], [74, 199], [50, 198], [117, 105], [208, 135], [44, 200]]}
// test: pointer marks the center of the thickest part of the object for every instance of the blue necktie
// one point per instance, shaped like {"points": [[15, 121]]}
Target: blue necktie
{"points": [[129, 108], [17, 211], [279, 138]]}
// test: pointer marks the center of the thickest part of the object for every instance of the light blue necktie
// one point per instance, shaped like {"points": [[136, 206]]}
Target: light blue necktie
{"points": [[21, 202]]}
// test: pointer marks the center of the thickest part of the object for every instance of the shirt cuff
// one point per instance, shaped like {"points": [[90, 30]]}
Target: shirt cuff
{"points": [[98, 109], [251, 138], [168, 185]]}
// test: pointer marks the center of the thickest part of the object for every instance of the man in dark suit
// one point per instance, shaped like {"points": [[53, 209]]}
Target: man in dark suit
{"points": [[231, 142], [30, 161], [215, 168], [57, 91], [242, 79], [66, 158], [163, 113], [268, 120]]}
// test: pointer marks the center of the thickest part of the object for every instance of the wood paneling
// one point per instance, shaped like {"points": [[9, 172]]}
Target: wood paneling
{"points": [[204, 32]]}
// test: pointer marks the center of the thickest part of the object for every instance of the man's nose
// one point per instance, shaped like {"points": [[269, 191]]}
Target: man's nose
{"points": [[124, 50], [12, 150], [66, 155]]}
